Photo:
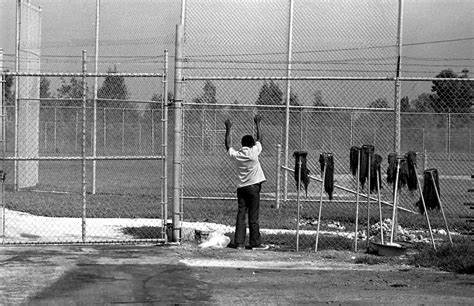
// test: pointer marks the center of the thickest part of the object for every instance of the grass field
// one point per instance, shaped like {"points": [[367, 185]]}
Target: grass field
{"points": [[131, 189]]}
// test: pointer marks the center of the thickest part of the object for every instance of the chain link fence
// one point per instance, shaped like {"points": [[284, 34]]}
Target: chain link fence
{"points": [[343, 68], [209, 176], [52, 200], [344, 88]]}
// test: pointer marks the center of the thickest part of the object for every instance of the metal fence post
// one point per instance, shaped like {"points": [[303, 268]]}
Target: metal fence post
{"points": [[288, 94], [17, 91], [448, 145], [164, 145], [152, 130], [94, 121], [397, 138], [104, 122], [123, 129], [84, 103], [139, 137], [164, 142], [45, 136], [3, 139], [55, 131], [178, 109], [75, 131], [278, 177]]}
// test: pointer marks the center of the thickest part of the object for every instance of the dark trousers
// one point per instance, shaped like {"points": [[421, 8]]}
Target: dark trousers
{"points": [[248, 199]]}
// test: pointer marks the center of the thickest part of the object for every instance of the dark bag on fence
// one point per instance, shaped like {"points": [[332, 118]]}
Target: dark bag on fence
{"points": [[374, 171], [429, 191], [412, 181], [304, 179], [326, 160], [354, 159], [367, 153]]}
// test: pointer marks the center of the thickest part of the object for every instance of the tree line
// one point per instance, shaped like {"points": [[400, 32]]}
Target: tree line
{"points": [[446, 96]]}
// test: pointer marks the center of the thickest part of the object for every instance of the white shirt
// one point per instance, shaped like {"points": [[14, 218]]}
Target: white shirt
{"points": [[248, 166]]}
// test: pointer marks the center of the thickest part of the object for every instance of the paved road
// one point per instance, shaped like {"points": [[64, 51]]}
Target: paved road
{"points": [[150, 274]]}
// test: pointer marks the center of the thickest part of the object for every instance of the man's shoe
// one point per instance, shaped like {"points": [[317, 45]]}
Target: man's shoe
{"points": [[236, 246], [260, 247]]}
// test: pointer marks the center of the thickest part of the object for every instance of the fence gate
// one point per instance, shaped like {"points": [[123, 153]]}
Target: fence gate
{"points": [[93, 169]]}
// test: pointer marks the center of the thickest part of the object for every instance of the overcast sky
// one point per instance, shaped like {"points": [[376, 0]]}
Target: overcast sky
{"points": [[437, 34]]}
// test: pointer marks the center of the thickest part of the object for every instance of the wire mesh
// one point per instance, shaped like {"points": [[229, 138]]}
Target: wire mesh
{"points": [[128, 203], [340, 80], [341, 84]]}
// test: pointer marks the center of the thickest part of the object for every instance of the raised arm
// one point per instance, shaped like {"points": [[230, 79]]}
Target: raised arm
{"points": [[228, 126], [257, 120]]}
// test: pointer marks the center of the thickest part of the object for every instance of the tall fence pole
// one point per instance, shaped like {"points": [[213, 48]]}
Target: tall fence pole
{"points": [[84, 104], [448, 136], [17, 91], [278, 177], [94, 122], [288, 94], [397, 131], [55, 130], [2, 135], [123, 130], [178, 110], [104, 132], [397, 101], [164, 140]]}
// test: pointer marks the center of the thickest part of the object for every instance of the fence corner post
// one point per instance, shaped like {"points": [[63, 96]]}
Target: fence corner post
{"points": [[278, 177]]}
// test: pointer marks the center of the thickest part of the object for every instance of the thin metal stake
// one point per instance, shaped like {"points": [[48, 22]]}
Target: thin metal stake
{"points": [[357, 202], [298, 206], [320, 207], [442, 210], [368, 203], [395, 201], [380, 207], [426, 211]]}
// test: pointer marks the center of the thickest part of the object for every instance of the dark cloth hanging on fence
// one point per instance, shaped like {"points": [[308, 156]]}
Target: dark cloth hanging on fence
{"points": [[374, 171], [326, 160], [403, 174], [392, 168], [354, 159], [304, 179], [412, 181], [429, 191], [367, 153]]}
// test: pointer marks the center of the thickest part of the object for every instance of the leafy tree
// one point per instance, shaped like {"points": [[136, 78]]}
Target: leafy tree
{"points": [[405, 105], [451, 95], [113, 87], [45, 92], [45, 88], [270, 94], [209, 95], [318, 99], [158, 98], [379, 103], [422, 104], [294, 99], [9, 93], [71, 90]]}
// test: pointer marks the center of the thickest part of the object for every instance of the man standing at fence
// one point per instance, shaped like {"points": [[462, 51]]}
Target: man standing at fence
{"points": [[250, 179]]}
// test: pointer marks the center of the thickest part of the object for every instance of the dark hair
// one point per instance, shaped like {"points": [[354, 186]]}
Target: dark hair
{"points": [[248, 141]]}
